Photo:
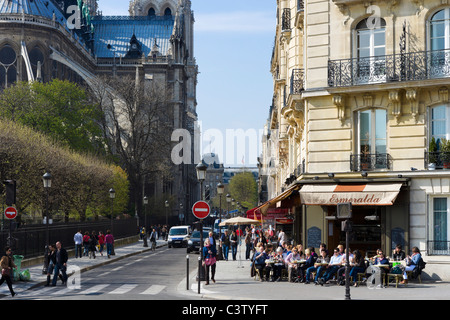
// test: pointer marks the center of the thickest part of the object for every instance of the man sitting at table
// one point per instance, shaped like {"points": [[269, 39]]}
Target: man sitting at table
{"points": [[260, 258], [310, 259], [318, 267], [332, 268]]}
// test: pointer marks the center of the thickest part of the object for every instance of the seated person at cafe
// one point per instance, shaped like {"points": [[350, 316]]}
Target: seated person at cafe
{"points": [[411, 263], [341, 270], [310, 259], [260, 258], [278, 265], [358, 267], [332, 268], [319, 267], [382, 260], [292, 267], [398, 254]]}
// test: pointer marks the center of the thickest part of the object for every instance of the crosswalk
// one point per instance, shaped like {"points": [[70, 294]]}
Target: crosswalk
{"points": [[96, 289]]}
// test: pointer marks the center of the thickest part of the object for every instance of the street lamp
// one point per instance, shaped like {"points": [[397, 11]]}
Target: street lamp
{"points": [[201, 176], [166, 204], [145, 221], [112, 195], [220, 190], [47, 179]]}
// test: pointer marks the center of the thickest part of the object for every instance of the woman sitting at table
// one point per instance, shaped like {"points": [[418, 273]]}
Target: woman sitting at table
{"points": [[359, 266], [319, 267], [411, 263], [310, 259], [277, 266], [259, 259], [399, 254], [292, 267]]}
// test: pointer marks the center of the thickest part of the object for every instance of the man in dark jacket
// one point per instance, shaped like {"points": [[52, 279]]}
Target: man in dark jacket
{"points": [[61, 263]]}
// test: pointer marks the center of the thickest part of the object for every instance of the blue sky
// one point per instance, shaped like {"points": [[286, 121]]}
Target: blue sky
{"points": [[233, 46]]}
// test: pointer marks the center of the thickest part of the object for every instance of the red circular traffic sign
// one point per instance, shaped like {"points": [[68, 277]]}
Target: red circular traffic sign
{"points": [[201, 209], [10, 213]]}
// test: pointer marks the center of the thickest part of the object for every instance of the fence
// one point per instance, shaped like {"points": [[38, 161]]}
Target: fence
{"points": [[30, 241]]}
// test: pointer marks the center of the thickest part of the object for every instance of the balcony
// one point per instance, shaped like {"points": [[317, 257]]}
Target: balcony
{"points": [[437, 160], [286, 20], [438, 247], [414, 66], [297, 83], [370, 162]]}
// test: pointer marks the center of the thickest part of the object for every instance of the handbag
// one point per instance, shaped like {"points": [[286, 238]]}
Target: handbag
{"points": [[210, 261], [5, 272]]}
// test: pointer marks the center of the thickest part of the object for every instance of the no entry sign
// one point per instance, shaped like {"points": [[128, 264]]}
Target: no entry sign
{"points": [[200, 209], [10, 213]]}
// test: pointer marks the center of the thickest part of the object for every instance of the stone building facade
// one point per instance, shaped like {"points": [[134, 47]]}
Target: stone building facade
{"points": [[361, 112]]}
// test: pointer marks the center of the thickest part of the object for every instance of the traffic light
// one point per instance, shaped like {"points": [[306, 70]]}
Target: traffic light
{"points": [[10, 192]]}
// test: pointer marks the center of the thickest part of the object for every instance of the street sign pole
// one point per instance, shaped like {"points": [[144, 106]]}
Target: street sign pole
{"points": [[201, 210]]}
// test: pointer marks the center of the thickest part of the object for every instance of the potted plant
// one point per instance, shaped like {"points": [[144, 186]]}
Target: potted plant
{"points": [[365, 157], [432, 154], [445, 153]]}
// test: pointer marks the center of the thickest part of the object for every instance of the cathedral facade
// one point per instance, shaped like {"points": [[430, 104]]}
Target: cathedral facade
{"points": [[41, 40]]}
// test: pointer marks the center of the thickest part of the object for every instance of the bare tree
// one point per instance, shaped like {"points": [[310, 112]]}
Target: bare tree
{"points": [[137, 125]]}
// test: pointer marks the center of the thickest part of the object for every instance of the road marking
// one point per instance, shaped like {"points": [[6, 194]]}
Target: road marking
{"points": [[94, 289], [124, 289], [118, 268], [154, 289]]}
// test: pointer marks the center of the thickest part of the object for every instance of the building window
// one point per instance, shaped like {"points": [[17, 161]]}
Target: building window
{"points": [[440, 230], [167, 12], [8, 71], [151, 12], [370, 46], [438, 118], [439, 25]]}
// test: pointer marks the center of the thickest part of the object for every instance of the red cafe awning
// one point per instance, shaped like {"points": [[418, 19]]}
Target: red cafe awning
{"points": [[370, 194]]}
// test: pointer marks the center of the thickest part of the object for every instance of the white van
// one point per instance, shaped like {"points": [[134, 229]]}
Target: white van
{"points": [[178, 236]]}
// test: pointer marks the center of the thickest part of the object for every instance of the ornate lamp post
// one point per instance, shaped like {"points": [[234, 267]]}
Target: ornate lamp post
{"points": [[145, 220], [201, 176], [47, 180], [220, 190]]}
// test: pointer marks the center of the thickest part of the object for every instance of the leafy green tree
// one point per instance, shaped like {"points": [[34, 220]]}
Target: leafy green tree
{"points": [[244, 189]]}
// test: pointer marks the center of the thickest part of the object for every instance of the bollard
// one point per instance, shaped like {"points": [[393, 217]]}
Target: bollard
{"points": [[199, 271], [187, 272]]}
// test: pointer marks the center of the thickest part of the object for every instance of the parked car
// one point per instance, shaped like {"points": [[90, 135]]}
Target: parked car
{"points": [[193, 241]]}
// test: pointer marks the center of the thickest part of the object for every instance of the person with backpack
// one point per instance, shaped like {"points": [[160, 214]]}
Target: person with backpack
{"points": [[412, 262]]}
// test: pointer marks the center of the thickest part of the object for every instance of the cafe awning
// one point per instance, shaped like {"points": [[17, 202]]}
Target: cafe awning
{"points": [[285, 194], [359, 194]]}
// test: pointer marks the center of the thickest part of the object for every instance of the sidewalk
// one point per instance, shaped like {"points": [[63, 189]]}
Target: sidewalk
{"points": [[38, 279], [233, 282]]}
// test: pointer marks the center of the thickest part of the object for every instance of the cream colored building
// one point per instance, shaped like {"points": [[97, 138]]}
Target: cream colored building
{"points": [[360, 91]]}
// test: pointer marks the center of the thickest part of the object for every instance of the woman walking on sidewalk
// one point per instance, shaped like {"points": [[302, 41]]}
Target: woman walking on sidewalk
{"points": [[7, 264], [109, 240], [209, 260]]}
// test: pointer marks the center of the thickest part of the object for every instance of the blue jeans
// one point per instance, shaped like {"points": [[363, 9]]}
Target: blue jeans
{"points": [[62, 268], [78, 250], [234, 251], [109, 247], [225, 250], [330, 272], [354, 272]]}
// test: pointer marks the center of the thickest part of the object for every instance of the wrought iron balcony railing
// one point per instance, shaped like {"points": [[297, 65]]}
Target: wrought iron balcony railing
{"points": [[297, 83], [286, 20], [389, 68], [437, 247], [370, 162], [300, 5], [437, 160]]}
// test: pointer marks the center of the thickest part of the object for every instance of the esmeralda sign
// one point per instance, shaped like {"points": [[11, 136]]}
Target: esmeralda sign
{"points": [[358, 194]]}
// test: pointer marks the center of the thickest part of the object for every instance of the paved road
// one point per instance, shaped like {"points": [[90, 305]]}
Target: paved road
{"points": [[146, 276]]}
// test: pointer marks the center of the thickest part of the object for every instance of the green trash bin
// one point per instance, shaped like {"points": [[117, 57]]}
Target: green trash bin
{"points": [[18, 262]]}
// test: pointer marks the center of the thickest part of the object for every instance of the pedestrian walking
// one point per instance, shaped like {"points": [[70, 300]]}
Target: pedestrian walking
{"points": [[78, 239], [92, 245], [60, 264], [248, 243], [153, 236], [101, 242], [234, 244], [225, 244], [7, 265], [86, 238], [209, 260], [51, 262], [109, 240]]}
